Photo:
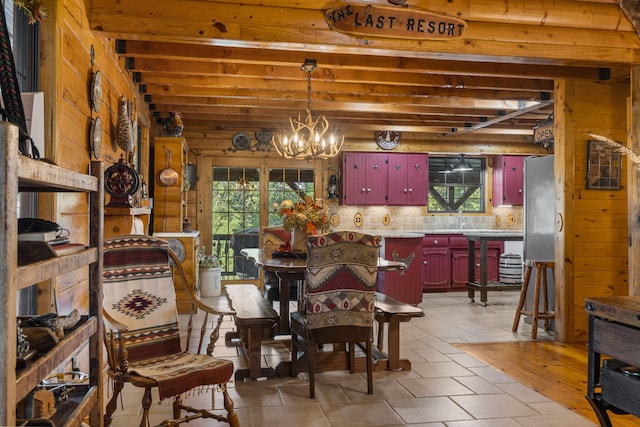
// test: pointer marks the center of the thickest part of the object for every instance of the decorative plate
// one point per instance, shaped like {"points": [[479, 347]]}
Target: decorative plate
{"points": [[334, 219], [177, 247], [96, 91], [241, 141], [264, 136], [120, 179], [387, 139], [95, 138]]}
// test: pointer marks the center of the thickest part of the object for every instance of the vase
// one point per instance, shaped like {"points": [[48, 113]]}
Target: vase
{"points": [[298, 240], [210, 282]]}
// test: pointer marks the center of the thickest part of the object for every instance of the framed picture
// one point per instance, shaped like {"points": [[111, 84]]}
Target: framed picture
{"points": [[604, 166]]}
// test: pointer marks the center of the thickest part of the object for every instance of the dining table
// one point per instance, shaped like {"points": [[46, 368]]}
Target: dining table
{"points": [[292, 269]]}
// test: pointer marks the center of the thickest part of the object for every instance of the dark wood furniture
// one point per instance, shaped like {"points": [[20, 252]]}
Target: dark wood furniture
{"points": [[483, 285], [290, 270], [614, 332], [393, 312], [255, 321], [545, 312]]}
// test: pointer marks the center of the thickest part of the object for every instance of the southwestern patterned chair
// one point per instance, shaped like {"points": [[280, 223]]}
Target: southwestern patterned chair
{"points": [[339, 299], [142, 335]]}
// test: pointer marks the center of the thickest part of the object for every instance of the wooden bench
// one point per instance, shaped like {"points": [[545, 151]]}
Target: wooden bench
{"points": [[255, 321], [393, 312]]}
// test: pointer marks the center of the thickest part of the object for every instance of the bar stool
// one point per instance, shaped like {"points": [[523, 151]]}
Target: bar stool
{"points": [[535, 313]]}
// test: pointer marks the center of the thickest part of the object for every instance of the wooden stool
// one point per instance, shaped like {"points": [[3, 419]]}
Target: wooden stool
{"points": [[545, 314]]}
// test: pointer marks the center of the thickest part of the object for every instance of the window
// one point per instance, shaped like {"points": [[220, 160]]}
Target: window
{"points": [[453, 190], [288, 184], [236, 216]]}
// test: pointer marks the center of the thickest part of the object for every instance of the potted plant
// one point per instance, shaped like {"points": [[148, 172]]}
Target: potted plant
{"points": [[210, 274]]}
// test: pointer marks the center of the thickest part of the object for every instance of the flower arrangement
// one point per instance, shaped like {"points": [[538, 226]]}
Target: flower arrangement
{"points": [[307, 215], [206, 262]]}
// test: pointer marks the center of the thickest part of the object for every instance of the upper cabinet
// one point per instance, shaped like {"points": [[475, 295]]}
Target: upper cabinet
{"points": [[170, 192], [408, 178], [385, 179], [365, 179], [508, 180]]}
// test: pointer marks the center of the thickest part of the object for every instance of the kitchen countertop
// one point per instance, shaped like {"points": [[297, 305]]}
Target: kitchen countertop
{"points": [[409, 234]]}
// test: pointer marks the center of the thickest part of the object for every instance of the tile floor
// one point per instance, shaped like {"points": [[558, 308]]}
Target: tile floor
{"points": [[446, 387]]}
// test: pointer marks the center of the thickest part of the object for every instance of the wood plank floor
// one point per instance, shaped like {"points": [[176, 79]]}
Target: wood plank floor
{"points": [[557, 371]]}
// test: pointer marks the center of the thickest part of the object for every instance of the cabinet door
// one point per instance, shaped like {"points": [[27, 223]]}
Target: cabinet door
{"points": [[513, 171], [436, 269], [405, 286], [408, 176], [354, 183], [508, 180], [376, 179], [460, 268]]}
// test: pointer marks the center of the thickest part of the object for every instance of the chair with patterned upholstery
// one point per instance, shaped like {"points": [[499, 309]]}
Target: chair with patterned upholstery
{"points": [[142, 334], [339, 299]]}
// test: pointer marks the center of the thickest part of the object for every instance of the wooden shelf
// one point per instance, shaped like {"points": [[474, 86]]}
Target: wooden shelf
{"points": [[40, 176], [47, 269], [29, 377]]}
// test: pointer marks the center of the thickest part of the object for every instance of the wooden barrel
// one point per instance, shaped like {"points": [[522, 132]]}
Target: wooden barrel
{"points": [[510, 268]]}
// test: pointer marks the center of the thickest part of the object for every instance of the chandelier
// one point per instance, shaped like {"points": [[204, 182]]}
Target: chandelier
{"points": [[308, 139]]}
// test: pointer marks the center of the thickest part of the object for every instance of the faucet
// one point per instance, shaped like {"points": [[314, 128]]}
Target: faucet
{"points": [[461, 221]]}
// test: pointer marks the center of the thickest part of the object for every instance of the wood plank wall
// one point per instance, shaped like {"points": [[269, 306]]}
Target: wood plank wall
{"points": [[66, 74], [591, 249]]}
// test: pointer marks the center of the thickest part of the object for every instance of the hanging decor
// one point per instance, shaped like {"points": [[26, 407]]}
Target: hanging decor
{"points": [[308, 139], [124, 134]]}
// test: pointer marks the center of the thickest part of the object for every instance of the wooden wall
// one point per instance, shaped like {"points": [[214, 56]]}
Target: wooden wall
{"points": [[66, 74], [591, 243]]}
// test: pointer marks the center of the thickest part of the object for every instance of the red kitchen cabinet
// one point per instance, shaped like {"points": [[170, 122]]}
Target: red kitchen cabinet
{"points": [[460, 265], [508, 180], [436, 262], [406, 285], [365, 179], [408, 179]]}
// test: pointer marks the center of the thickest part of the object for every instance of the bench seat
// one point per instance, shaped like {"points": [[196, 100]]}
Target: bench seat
{"points": [[255, 321]]}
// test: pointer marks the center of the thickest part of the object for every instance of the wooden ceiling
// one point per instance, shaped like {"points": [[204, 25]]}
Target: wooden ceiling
{"points": [[228, 66]]}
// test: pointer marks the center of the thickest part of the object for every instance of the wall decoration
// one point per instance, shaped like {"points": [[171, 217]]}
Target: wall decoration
{"points": [[604, 166], [96, 91], [387, 139], [241, 141], [95, 138], [124, 129], [264, 140]]}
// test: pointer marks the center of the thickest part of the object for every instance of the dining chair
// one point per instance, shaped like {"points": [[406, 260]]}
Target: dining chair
{"points": [[339, 299], [142, 334]]}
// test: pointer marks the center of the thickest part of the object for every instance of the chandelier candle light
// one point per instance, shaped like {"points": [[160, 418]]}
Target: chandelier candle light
{"points": [[308, 139]]}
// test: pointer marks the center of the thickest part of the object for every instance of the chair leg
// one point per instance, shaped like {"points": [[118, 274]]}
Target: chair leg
{"points": [[523, 295], [294, 355], [177, 403], [228, 405], [311, 360], [113, 403], [352, 358], [369, 367], [146, 404], [536, 302]]}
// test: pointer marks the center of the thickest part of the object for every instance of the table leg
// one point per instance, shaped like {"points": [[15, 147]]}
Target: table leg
{"points": [[483, 270], [255, 351], [394, 343], [471, 271], [284, 282]]}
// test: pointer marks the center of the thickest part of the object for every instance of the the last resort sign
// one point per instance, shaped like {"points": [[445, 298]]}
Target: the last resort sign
{"points": [[393, 22]]}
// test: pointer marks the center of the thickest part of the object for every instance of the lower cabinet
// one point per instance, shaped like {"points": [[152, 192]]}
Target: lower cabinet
{"points": [[445, 262], [406, 285]]}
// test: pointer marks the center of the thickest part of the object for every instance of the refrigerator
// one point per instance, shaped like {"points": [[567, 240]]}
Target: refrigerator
{"points": [[539, 220]]}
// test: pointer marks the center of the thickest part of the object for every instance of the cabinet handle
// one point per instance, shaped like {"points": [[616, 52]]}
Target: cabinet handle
{"points": [[410, 190], [435, 242], [424, 262], [368, 190], [405, 191], [364, 190]]}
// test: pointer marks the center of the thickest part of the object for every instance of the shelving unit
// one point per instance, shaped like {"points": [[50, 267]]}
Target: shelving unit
{"points": [[25, 174]]}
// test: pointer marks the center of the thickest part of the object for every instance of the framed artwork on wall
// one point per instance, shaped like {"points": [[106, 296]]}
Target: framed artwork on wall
{"points": [[604, 166]]}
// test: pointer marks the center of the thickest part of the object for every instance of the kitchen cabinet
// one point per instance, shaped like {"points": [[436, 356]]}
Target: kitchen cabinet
{"points": [[408, 179], [170, 200], [403, 285], [394, 179], [445, 262], [185, 245], [365, 178], [436, 263], [21, 174], [508, 180]]}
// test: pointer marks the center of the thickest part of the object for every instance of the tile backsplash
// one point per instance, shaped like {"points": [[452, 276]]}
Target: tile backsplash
{"points": [[416, 218]]}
